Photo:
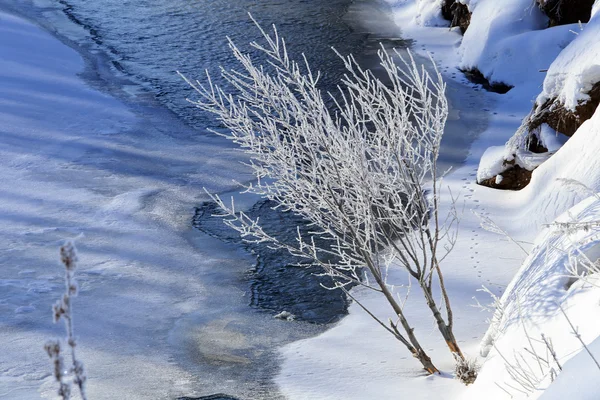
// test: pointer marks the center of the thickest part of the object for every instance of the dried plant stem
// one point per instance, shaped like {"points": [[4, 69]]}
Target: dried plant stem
{"points": [[64, 309], [578, 336]]}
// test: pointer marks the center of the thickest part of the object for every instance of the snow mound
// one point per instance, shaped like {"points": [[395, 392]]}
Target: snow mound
{"points": [[577, 68], [500, 34], [429, 13], [491, 164]]}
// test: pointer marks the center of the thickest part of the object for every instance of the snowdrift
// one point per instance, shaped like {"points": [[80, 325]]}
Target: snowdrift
{"points": [[542, 309]]}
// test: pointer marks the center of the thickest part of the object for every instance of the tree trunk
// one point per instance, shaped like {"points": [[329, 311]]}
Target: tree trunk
{"points": [[445, 329], [416, 349]]}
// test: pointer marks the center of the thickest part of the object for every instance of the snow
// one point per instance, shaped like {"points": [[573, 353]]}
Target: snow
{"points": [[123, 180], [377, 366], [579, 377], [551, 139], [548, 194], [499, 34], [494, 29], [530, 302], [497, 159], [571, 75], [429, 13], [491, 164], [504, 61]]}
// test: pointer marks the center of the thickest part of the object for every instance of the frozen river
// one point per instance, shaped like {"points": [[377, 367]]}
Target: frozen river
{"points": [[165, 310]]}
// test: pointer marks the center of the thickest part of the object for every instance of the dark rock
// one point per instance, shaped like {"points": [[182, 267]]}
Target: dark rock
{"points": [[514, 178], [457, 13], [562, 120], [475, 76], [562, 12]]}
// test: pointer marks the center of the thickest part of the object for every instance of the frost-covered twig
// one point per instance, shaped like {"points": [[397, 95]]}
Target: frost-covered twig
{"points": [[575, 332], [63, 309], [489, 225], [578, 265], [550, 347], [525, 378], [579, 187]]}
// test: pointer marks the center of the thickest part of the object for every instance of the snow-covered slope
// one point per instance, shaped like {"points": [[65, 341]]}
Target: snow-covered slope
{"points": [[530, 305], [507, 41], [579, 377], [535, 307], [571, 75], [549, 192]]}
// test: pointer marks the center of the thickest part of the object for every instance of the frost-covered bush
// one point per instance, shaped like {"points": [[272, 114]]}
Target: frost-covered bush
{"points": [[364, 174]]}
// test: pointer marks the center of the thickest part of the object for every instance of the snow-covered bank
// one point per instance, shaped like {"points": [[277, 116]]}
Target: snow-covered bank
{"points": [[569, 96], [546, 301], [76, 163], [547, 281]]}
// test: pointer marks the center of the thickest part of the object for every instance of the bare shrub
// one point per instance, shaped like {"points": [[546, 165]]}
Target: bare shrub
{"points": [[363, 174], [466, 370]]}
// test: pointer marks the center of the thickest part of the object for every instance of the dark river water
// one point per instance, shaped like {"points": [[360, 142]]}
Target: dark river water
{"points": [[149, 40]]}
